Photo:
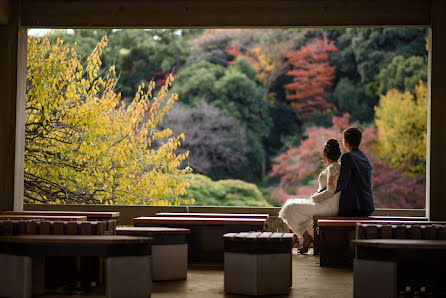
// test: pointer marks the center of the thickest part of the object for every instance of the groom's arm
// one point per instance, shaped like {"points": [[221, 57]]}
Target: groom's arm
{"points": [[346, 170]]}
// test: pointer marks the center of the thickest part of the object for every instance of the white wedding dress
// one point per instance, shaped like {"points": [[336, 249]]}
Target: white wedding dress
{"points": [[297, 213]]}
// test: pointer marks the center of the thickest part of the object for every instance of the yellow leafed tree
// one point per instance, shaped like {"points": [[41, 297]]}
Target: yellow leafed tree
{"points": [[84, 145], [401, 119]]}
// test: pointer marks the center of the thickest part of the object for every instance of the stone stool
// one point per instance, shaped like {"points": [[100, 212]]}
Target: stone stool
{"points": [[169, 250], [258, 263], [127, 262]]}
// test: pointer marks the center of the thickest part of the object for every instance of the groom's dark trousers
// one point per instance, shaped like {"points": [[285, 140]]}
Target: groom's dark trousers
{"points": [[354, 183]]}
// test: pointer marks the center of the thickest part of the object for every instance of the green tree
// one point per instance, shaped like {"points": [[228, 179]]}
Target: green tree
{"points": [[402, 74], [351, 98], [196, 82], [244, 99]]}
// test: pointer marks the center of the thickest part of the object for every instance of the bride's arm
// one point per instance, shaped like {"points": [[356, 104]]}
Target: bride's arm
{"points": [[331, 186]]}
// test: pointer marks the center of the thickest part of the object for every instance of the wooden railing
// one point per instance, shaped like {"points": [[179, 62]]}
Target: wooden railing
{"points": [[127, 212]]}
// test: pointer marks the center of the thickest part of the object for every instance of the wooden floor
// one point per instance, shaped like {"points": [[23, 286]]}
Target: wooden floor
{"points": [[309, 280]]}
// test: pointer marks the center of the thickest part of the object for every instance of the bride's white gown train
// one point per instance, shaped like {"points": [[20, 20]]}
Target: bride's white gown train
{"points": [[297, 213]]}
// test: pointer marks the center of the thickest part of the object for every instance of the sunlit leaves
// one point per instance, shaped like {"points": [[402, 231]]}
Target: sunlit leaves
{"points": [[85, 145], [401, 119]]}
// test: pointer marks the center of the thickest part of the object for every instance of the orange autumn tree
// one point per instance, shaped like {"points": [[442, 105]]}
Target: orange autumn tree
{"points": [[266, 52], [312, 76], [84, 145]]}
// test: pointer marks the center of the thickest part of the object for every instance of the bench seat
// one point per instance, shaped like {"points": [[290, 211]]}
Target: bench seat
{"points": [[335, 238], [257, 263], [110, 218], [127, 262], [45, 227], [169, 250], [401, 268], [90, 215], [205, 241], [44, 217], [317, 218], [214, 215]]}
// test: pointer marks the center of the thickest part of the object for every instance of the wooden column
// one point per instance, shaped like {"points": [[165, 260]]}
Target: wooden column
{"points": [[13, 40], [436, 132]]}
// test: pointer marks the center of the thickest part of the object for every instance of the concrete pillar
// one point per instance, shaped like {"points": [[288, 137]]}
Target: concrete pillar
{"points": [[169, 262], [15, 276], [436, 132], [367, 274], [128, 277], [257, 274], [13, 40]]}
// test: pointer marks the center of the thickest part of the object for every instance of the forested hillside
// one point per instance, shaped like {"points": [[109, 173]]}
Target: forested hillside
{"points": [[258, 104]]}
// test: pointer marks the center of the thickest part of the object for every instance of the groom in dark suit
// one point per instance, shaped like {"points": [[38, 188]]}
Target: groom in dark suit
{"points": [[355, 178]]}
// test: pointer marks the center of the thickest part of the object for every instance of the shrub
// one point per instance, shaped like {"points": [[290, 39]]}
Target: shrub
{"points": [[229, 192]]}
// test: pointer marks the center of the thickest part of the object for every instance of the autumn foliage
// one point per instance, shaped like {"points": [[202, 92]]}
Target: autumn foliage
{"points": [[312, 76], [299, 167], [401, 119], [84, 145]]}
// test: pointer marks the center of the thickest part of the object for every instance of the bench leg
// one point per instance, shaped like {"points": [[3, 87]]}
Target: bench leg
{"points": [[169, 262], [257, 274], [128, 277], [374, 279], [315, 238], [15, 276]]}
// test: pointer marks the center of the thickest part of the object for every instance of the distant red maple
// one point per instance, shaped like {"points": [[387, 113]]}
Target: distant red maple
{"points": [[312, 74], [235, 51]]}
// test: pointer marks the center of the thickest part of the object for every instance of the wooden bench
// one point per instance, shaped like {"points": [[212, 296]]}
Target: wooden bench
{"points": [[214, 215], [335, 237], [169, 250], [399, 268], [90, 215], [110, 218], [127, 262], [419, 231], [316, 244], [45, 227], [206, 238], [258, 263], [43, 217]]}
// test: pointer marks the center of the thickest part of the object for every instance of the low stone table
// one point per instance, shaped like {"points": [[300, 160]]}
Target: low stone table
{"points": [[206, 238], [399, 268], [169, 250], [127, 262], [258, 263]]}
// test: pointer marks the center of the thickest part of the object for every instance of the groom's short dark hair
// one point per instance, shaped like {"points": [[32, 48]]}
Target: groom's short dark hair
{"points": [[353, 136]]}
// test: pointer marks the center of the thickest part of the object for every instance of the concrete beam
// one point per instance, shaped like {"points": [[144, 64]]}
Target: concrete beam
{"points": [[436, 136], [224, 13]]}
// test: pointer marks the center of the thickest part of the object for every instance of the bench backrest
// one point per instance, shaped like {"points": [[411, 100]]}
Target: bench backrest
{"points": [[436, 231], [214, 215], [199, 221]]}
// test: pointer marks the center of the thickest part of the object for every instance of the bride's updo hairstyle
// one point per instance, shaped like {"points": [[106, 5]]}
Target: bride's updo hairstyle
{"points": [[332, 150]]}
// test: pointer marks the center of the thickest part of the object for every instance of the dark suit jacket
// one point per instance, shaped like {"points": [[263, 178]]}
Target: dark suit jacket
{"points": [[354, 183]]}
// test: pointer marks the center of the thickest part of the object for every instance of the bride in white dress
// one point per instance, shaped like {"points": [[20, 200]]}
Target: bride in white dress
{"points": [[297, 213]]}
